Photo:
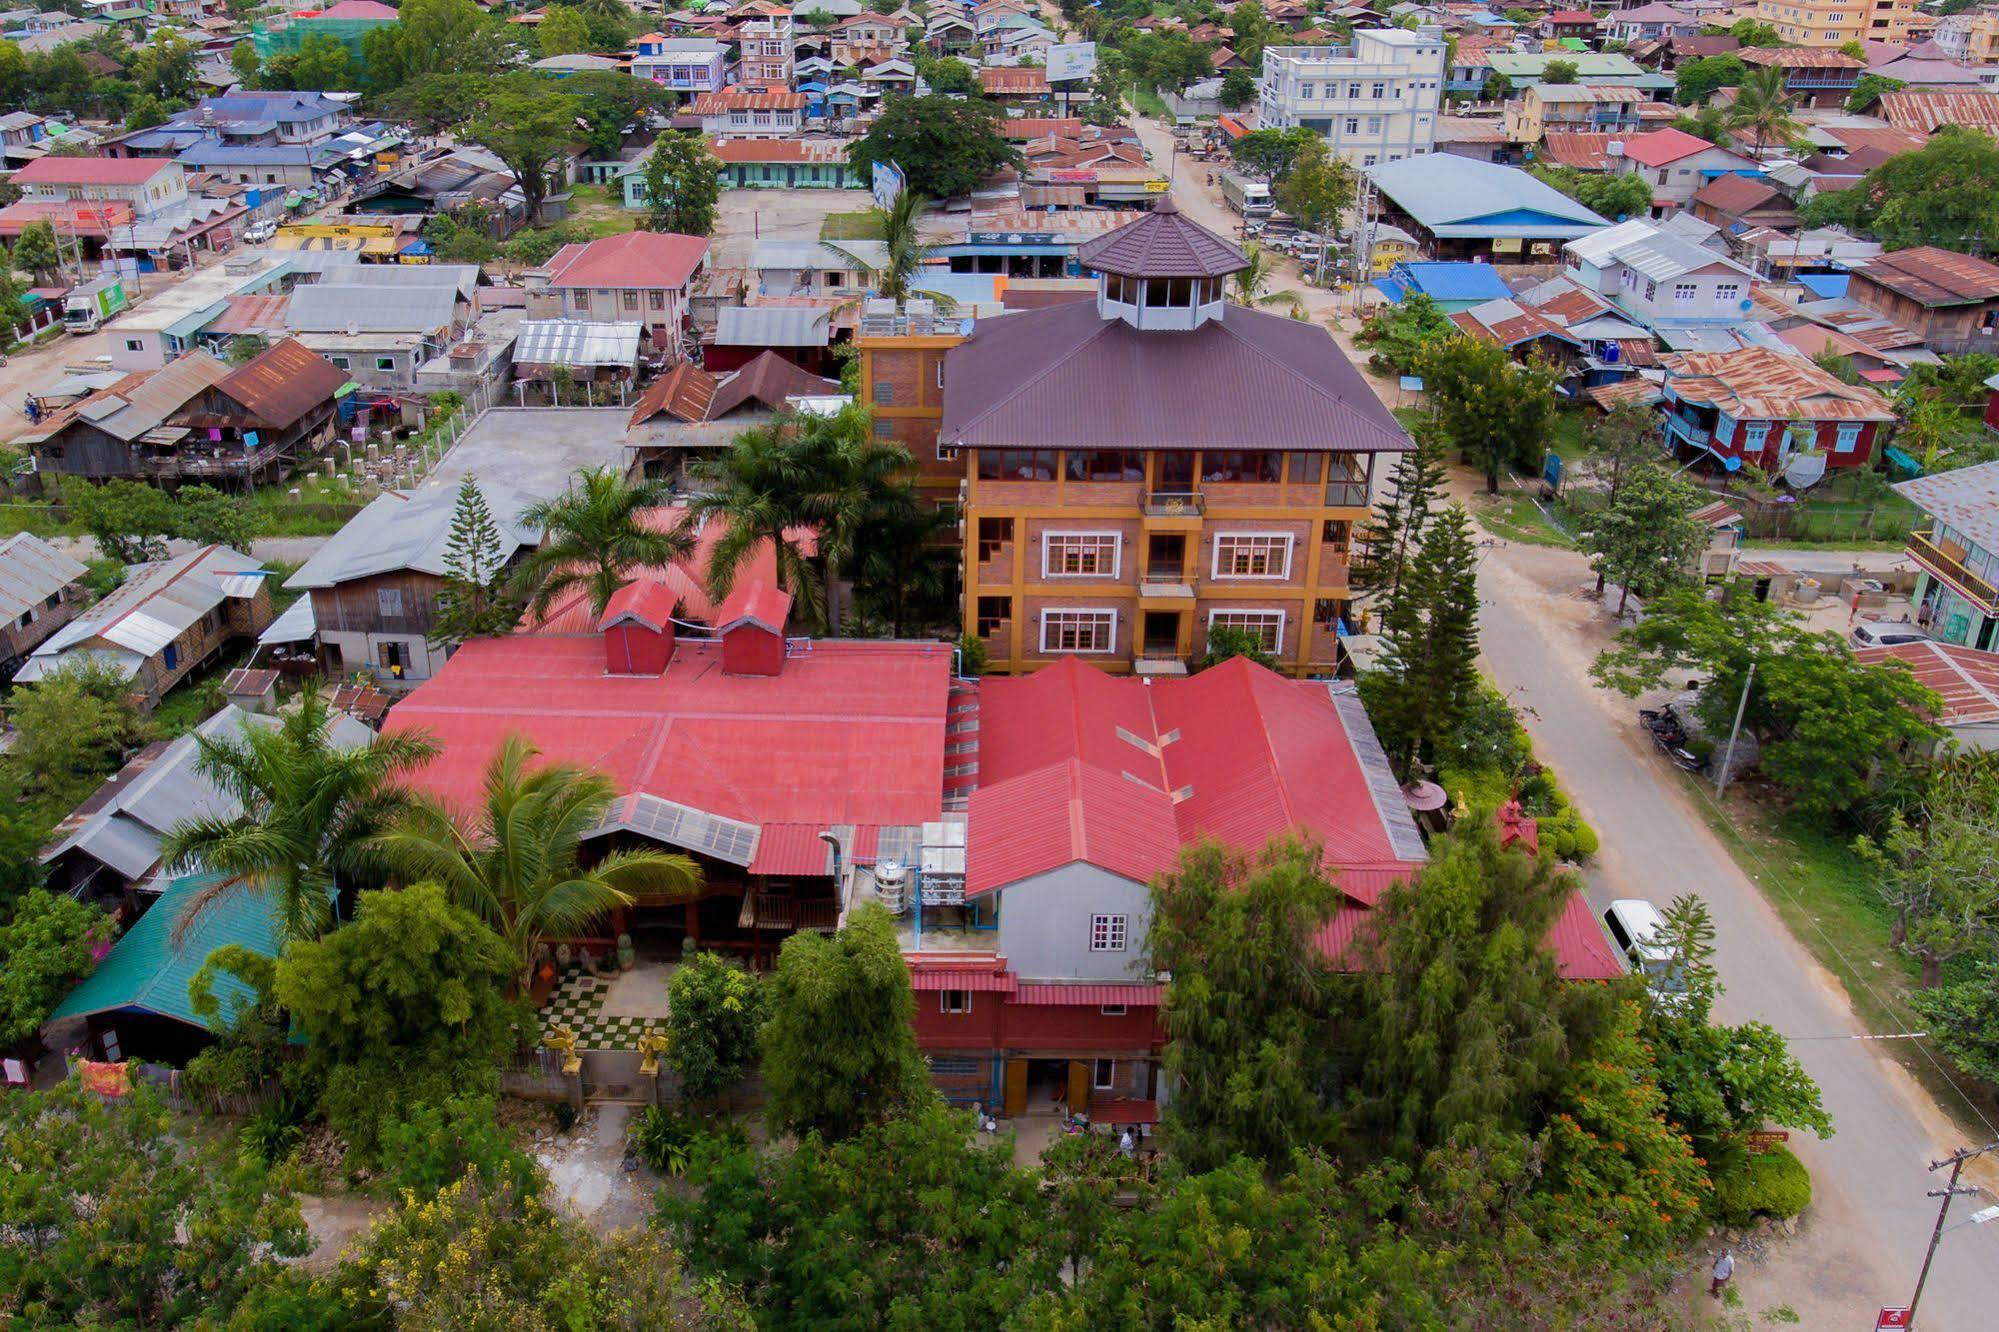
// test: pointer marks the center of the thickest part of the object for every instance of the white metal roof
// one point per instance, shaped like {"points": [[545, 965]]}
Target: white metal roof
{"points": [[1644, 248], [154, 607], [32, 571], [576, 342]]}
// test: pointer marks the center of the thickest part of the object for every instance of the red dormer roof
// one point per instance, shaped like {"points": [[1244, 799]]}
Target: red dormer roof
{"points": [[644, 601], [758, 603]]}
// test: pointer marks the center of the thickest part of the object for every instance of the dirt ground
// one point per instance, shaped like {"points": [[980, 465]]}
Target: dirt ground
{"points": [[744, 216]]}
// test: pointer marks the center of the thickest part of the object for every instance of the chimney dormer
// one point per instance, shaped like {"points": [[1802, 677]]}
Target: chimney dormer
{"points": [[751, 623], [637, 626]]}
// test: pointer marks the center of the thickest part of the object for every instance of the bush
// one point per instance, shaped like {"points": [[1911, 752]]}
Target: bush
{"points": [[1773, 1183], [664, 1139], [436, 1144], [273, 1131]]}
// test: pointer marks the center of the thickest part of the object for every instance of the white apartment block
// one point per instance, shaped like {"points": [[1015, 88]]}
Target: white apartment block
{"points": [[1375, 101]]}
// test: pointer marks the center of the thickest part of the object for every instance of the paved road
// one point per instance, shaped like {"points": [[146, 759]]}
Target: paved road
{"points": [[1871, 1218]]}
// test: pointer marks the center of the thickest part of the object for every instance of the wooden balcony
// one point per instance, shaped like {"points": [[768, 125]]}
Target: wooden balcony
{"points": [[1924, 549]]}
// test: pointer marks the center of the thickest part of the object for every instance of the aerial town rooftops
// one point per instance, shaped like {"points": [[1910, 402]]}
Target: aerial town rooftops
{"points": [[1934, 277]]}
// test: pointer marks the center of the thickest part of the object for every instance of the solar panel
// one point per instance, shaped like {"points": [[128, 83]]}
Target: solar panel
{"points": [[692, 829]]}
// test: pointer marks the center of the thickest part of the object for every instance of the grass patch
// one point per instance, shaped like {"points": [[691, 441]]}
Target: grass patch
{"points": [[197, 698], [40, 519], [850, 226], [1571, 425], [601, 211], [1512, 516], [1150, 103], [1827, 901]]}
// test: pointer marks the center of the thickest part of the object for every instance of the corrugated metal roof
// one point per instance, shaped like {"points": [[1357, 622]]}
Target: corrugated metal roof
{"points": [[32, 571], [1966, 499], [1965, 678], [1756, 384], [772, 326], [1931, 276], [283, 383], [141, 401], [410, 530], [772, 252], [150, 966], [326, 307], [927, 979], [1643, 247], [1094, 996], [1457, 196], [792, 848], [155, 605], [577, 342], [296, 625]]}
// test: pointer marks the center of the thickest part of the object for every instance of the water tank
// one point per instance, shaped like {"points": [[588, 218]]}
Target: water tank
{"points": [[1615, 148], [891, 879]]}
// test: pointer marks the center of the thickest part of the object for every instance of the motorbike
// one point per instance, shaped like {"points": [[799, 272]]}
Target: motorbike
{"points": [[1670, 738]]}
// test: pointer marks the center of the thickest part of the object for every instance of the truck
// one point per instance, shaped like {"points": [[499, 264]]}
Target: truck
{"points": [[1249, 197], [85, 308]]}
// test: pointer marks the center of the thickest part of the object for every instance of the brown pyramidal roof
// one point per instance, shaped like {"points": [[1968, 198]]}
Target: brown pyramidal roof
{"points": [[1163, 244]]}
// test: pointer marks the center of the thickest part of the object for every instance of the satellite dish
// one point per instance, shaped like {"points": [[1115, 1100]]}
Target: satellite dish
{"points": [[1748, 304], [1731, 463]]}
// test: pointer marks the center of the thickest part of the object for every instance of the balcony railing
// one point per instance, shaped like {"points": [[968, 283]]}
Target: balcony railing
{"points": [[1174, 504], [1346, 494], [1924, 550], [1687, 430]]}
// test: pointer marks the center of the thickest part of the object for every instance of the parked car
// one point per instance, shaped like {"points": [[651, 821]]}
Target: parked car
{"points": [[1877, 633], [1634, 924], [259, 232]]}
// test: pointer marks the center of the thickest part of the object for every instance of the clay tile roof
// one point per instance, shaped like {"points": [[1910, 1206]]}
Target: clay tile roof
{"points": [[645, 601], [1163, 244], [284, 383], [748, 98], [1932, 276]]}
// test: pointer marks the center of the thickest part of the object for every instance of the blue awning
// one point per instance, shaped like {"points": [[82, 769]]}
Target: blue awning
{"points": [[1825, 286]]}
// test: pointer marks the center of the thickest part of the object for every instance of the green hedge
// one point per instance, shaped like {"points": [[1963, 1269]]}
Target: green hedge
{"points": [[1773, 1183]]}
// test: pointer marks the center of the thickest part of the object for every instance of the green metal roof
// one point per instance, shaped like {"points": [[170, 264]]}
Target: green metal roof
{"points": [[148, 969]]}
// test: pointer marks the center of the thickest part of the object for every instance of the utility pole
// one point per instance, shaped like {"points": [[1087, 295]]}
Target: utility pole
{"points": [[1956, 1162], [1728, 755]]}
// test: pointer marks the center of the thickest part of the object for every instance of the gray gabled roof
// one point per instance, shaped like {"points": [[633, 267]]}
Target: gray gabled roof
{"points": [[330, 306], [1455, 196], [771, 326], [1966, 499], [156, 604], [32, 571], [773, 252], [399, 531]]}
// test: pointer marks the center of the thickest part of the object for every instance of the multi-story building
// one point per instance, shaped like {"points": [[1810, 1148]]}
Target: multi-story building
{"points": [[1950, 300], [683, 64], [1145, 467], [1835, 22], [121, 188], [1957, 549], [1814, 76], [1971, 37], [1572, 108], [765, 49], [1660, 279], [1375, 101], [1767, 408], [744, 111]]}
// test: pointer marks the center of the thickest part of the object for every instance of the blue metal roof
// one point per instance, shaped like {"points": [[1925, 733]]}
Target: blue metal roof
{"points": [[1825, 286], [1451, 282]]}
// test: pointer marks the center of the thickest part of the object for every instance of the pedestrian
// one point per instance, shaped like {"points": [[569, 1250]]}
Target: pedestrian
{"points": [[1724, 1268], [1125, 1144]]}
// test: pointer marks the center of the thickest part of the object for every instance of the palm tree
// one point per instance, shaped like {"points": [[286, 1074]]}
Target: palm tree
{"points": [[1251, 284], [827, 475], [905, 572], [309, 810], [1708, 121], [593, 536], [902, 265], [519, 865], [1762, 107]]}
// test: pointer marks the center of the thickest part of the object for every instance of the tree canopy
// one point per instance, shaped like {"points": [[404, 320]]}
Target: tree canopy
{"points": [[945, 146], [1946, 193]]}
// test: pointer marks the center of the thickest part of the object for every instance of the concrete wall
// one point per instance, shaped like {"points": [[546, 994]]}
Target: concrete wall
{"points": [[1044, 927]]}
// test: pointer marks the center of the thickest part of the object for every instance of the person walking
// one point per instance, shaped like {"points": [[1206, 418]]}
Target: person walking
{"points": [[1724, 1268]]}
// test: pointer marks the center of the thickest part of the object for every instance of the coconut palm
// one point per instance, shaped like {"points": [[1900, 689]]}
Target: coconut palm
{"points": [[1763, 109], [902, 266], [826, 475], [1251, 284], [594, 536], [309, 811], [518, 865]]}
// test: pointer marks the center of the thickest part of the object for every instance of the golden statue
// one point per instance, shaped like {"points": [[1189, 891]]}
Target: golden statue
{"points": [[651, 1046], [562, 1039]]}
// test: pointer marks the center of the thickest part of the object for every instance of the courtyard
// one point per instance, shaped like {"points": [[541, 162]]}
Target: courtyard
{"points": [[609, 1012]]}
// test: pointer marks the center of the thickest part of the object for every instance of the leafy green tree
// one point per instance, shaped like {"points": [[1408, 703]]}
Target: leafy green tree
{"points": [[433, 103], [1246, 1011], [1387, 541], [432, 37], [244, 64], [1250, 284], [528, 126], [1238, 89], [251, 1037], [1648, 535], [47, 945], [519, 865], [1707, 121], [1460, 1025], [35, 251], [146, 111], [1720, 1082], [945, 147], [714, 1011], [839, 1052], [1271, 152], [1558, 71], [1249, 29], [1958, 380], [116, 1220], [436, 1145], [129, 520], [1867, 91], [562, 31], [1963, 1018], [1318, 188], [1492, 409], [165, 66], [682, 185], [1831, 727], [401, 1007], [208, 517], [247, 347], [1430, 641], [1621, 443], [1946, 193], [595, 535], [1226, 642], [323, 64], [1752, 33], [463, 235], [473, 601], [73, 727], [1695, 81], [1937, 866], [1611, 196], [1399, 333], [948, 74], [309, 812], [950, 1235]]}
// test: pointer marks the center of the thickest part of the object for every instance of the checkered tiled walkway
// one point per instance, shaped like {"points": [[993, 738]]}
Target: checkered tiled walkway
{"points": [[579, 1002]]}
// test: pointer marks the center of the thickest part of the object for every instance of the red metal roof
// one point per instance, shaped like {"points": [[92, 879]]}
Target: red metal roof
{"points": [[572, 612], [1967, 679], [1661, 146], [847, 733], [748, 98], [960, 978], [1124, 1110], [642, 259], [792, 848], [757, 602], [1092, 996], [53, 170], [645, 601], [1076, 765]]}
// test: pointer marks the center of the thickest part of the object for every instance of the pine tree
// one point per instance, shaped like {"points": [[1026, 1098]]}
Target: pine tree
{"points": [[473, 601], [1648, 535], [1430, 640], [1392, 533]]}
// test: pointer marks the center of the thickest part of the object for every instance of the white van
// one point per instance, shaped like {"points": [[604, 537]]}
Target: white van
{"points": [[1633, 924]]}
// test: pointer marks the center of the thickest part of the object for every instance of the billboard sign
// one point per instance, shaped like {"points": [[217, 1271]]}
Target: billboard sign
{"points": [[1076, 60], [887, 184]]}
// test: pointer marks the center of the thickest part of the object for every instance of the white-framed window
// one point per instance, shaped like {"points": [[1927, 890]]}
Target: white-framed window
{"points": [[1353, 124], [1111, 1010], [1374, 125], [1727, 293], [1267, 625], [954, 1001], [1380, 91], [1080, 554], [1755, 436], [1253, 555], [1849, 435], [1684, 292], [1078, 629], [1369, 160], [1107, 933], [1103, 1074]]}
